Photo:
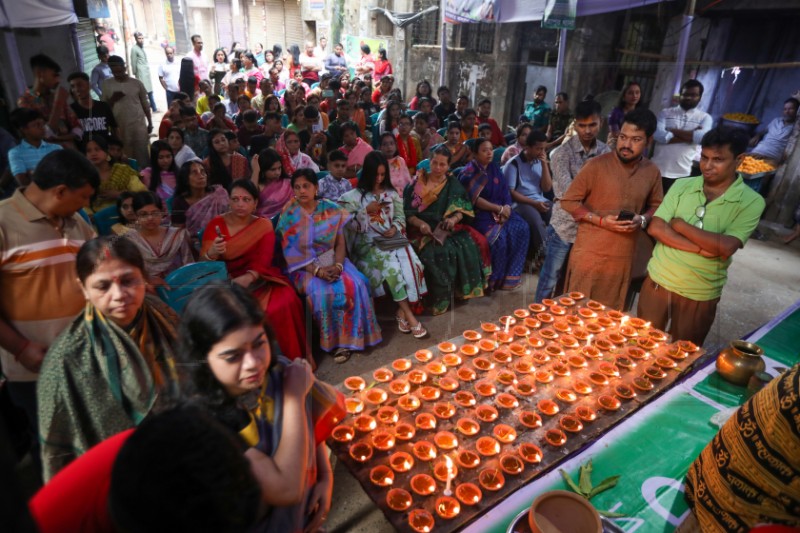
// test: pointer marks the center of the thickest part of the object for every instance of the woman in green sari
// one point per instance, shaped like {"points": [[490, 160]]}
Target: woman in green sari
{"points": [[435, 205], [105, 372]]}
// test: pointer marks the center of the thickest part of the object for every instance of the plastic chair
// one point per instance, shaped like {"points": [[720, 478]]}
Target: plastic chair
{"points": [[280, 93], [424, 164], [168, 204], [184, 281], [284, 121], [314, 85], [373, 118], [321, 174], [469, 143], [411, 113], [497, 155], [442, 132], [105, 219]]}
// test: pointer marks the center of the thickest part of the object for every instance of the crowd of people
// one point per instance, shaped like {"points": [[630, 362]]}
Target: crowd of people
{"points": [[320, 188]]}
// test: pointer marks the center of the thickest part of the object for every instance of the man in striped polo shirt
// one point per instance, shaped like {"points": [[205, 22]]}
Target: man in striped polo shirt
{"points": [[40, 235]]}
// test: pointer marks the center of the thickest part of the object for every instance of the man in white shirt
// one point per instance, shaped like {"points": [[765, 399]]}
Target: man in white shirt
{"points": [[771, 143], [169, 74], [310, 65], [679, 132]]}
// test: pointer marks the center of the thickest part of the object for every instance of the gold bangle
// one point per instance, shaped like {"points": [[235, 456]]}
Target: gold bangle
{"points": [[316, 271], [340, 267]]}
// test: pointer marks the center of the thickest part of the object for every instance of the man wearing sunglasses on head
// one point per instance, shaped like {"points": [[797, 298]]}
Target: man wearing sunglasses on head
{"points": [[700, 224]]}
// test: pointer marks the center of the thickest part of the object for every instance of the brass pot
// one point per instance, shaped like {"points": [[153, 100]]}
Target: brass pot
{"points": [[739, 361]]}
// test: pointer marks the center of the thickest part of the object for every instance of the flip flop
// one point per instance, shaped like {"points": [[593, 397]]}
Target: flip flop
{"points": [[341, 355]]}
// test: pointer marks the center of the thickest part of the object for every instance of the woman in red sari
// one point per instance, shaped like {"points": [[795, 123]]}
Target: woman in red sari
{"points": [[246, 243]]}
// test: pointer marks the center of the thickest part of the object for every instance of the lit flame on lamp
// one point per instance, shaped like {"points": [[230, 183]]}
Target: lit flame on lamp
{"points": [[449, 463], [589, 340]]}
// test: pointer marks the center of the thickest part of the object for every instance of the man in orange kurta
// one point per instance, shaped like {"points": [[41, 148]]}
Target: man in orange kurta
{"points": [[623, 180]]}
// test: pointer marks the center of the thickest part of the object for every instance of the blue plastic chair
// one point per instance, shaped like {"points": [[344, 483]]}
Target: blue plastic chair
{"points": [[373, 118], [321, 174], [498, 154], [105, 219], [187, 279], [411, 113], [424, 164], [284, 120], [314, 85], [280, 93], [442, 131]]}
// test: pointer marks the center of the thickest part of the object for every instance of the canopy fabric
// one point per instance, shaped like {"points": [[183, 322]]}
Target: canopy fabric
{"points": [[466, 11], [36, 13], [401, 20]]}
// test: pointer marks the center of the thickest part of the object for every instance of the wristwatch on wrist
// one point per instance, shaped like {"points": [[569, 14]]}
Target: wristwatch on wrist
{"points": [[643, 222]]}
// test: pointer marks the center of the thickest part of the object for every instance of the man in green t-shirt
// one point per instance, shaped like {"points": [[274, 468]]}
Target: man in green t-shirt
{"points": [[701, 223]]}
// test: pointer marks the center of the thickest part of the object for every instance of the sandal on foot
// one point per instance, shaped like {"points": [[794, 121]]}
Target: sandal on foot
{"points": [[341, 355], [418, 331], [402, 324]]}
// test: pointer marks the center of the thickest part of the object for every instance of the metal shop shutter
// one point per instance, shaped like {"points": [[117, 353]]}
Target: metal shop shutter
{"points": [[274, 22], [294, 24]]}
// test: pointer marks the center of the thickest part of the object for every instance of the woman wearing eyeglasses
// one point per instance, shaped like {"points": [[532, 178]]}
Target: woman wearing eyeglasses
{"points": [[164, 248], [246, 243]]}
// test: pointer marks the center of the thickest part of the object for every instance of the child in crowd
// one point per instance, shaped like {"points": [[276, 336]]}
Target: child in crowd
{"points": [[250, 128], [485, 132], [334, 184], [22, 159]]}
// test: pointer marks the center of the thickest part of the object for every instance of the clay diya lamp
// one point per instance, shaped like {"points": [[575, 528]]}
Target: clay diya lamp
{"points": [[487, 345], [401, 365], [609, 403], [586, 413], [353, 405], [548, 334], [624, 362], [543, 376], [547, 406], [506, 377], [545, 318], [595, 305], [575, 295], [562, 326], [530, 453], [445, 440], [421, 521], [657, 335], [447, 507], [577, 361], [467, 426], [676, 353], [548, 302], [361, 452], [355, 383], [529, 419], [616, 338], [404, 431], [401, 462], [444, 410], [598, 378], [523, 367], [581, 387], [468, 459], [382, 440], [469, 494], [540, 357], [687, 346], [636, 353], [485, 388], [605, 321], [429, 393], [504, 433], [647, 343], [424, 451], [398, 499], [654, 372], [466, 374], [580, 333], [511, 464], [535, 342], [643, 384], [517, 349], [451, 359], [592, 352], [525, 387], [423, 356], [594, 328], [447, 347], [464, 398], [566, 395], [532, 323], [504, 337], [624, 391], [383, 375], [471, 335], [425, 421], [575, 321], [561, 370], [507, 401], [665, 362], [604, 345], [417, 376], [568, 341], [502, 356], [343, 433], [364, 423], [521, 313], [507, 321], [570, 424], [557, 310], [586, 313], [408, 402], [609, 369], [399, 386], [488, 327], [442, 471], [491, 479], [554, 351], [448, 384], [628, 331], [566, 301], [555, 437], [470, 350], [521, 331], [387, 415], [638, 323], [381, 476], [537, 308], [486, 413], [376, 396]]}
